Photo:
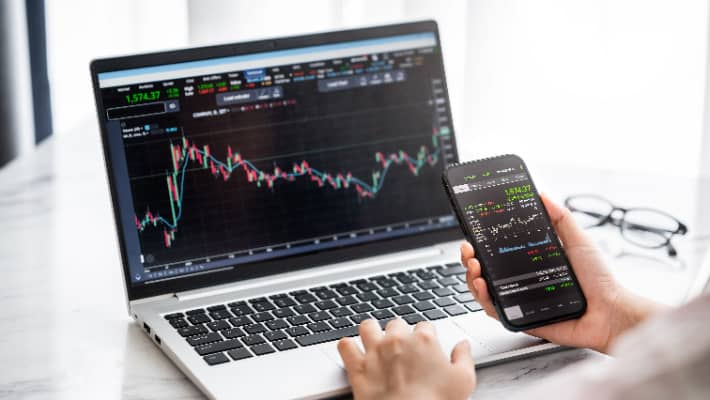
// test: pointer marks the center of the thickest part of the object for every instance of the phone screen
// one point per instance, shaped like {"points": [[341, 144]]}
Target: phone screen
{"points": [[528, 273]]}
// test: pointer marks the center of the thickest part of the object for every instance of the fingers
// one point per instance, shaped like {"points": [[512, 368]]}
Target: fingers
{"points": [[564, 224], [467, 252], [396, 327], [484, 298], [461, 355], [351, 354], [370, 334]]}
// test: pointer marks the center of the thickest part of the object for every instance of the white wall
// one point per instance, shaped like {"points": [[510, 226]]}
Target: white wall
{"points": [[599, 83]]}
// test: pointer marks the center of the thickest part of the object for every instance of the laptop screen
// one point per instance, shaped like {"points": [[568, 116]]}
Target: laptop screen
{"points": [[220, 163]]}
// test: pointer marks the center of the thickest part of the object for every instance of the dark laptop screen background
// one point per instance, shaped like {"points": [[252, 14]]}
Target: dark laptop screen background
{"points": [[225, 162]]}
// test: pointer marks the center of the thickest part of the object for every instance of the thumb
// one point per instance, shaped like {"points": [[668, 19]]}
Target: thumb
{"points": [[564, 223], [461, 355]]}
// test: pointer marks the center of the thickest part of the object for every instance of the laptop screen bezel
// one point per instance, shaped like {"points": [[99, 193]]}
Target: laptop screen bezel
{"points": [[273, 266]]}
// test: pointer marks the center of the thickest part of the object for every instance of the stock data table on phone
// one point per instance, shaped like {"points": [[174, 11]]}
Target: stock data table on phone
{"points": [[66, 333]]}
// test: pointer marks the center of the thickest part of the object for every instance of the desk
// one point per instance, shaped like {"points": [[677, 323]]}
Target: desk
{"points": [[60, 340]]}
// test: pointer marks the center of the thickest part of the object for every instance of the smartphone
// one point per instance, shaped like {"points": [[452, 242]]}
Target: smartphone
{"points": [[529, 276]]}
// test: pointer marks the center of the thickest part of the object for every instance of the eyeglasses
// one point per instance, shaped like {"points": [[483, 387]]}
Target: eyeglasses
{"points": [[644, 227]]}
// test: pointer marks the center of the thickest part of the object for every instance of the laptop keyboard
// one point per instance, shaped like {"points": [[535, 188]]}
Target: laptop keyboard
{"points": [[284, 321]]}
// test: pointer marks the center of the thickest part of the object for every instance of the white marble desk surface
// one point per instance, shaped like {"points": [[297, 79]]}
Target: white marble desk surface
{"points": [[64, 329]]}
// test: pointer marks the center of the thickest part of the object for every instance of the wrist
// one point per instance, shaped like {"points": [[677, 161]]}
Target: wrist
{"points": [[629, 310]]}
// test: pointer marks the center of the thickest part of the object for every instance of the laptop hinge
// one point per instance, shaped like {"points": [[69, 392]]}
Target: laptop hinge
{"points": [[310, 275]]}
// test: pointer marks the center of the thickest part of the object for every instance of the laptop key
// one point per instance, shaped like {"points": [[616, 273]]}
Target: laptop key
{"points": [[428, 285], [240, 321], [217, 358], [328, 336], [305, 298], [464, 298], [240, 309], [338, 323], [455, 310], [174, 315], [253, 340], [425, 275], [218, 325], [423, 306], [385, 282], [275, 335], [366, 286], [357, 319], [367, 296], [403, 278], [382, 303], [326, 304], [283, 312], [421, 296], [443, 292], [195, 311], [218, 347], [239, 354], [262, 349], [326, 294], [413, 318], [233, 333], [346, 300], [444, 302], [304, 309], [434, 314], [362, 308], [284, 302], [254, 328], [382, 314], [198, 319], [448, 281], [262, 317], [455, 270], [204, 339], [178, 323], [387, 292], [298, 320], [218, 307], [276, 324], [192, 330], [346, 290], [403, 310], [341, 312], [263, 306], [296, 331], [473, 306], [285, 344], [318, 327], [404, 299], [319, 316], [461, 288], [407, 289]]}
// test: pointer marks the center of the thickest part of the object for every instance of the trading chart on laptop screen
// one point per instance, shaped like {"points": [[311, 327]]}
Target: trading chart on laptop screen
{"points": [[234, 160]]}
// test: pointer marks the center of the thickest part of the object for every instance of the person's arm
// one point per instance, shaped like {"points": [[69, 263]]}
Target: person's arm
{"points": [[401, 364], [611, 309]]}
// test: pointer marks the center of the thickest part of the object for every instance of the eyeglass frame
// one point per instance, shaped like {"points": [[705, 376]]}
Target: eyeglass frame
{"points": [[682, 229]]}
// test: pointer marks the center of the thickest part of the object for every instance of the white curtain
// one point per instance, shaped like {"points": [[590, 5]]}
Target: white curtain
{"points": [[616, 84]]}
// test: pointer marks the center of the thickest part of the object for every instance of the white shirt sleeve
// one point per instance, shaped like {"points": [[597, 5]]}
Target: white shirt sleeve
{"points": [[667, 357]]}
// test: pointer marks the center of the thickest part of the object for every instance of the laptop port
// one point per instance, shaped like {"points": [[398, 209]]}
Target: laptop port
{"points": [[146, 327]]}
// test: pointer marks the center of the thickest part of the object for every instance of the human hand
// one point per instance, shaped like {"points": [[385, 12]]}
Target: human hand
{"points": [[611, 309], [399, 364]]}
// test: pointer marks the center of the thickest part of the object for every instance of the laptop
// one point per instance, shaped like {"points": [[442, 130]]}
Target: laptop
{"points": [[271, 195]]}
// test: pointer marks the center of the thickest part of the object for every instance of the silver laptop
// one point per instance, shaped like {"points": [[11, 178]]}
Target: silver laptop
{"points": [[271, 195]]}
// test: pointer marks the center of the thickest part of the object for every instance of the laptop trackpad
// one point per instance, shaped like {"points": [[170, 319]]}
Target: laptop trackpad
{"points": [[492, 335]]}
